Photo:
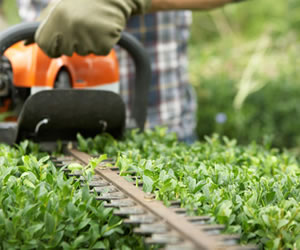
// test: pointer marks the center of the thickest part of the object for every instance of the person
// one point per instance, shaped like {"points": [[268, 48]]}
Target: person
{"points": [[162, 26]]}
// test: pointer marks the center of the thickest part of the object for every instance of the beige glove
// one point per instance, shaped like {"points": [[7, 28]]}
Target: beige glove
{"points": [[85, 26]]}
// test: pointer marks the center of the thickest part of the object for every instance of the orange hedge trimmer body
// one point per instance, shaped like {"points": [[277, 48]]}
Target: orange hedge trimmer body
{"points": [[33, 70]]}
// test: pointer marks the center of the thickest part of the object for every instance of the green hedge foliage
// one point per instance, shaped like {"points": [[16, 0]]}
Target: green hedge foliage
{"points": [[251, 189], [42, 209]]}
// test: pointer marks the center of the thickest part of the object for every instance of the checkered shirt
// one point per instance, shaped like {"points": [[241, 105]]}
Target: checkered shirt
{"points": [[164, 35]]}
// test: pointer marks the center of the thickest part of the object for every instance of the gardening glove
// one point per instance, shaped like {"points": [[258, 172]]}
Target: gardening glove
{"points": [[85, 26]]}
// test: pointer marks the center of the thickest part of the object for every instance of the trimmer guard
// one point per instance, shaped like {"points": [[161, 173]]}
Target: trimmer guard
{"points": [[60, 114]]}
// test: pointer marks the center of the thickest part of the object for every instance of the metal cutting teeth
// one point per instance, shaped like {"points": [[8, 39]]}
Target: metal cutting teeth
{"points": [[120, 203], [111, 196], [212, 229], [97, 183], [230, 239], [164, 238], [60, 164], [127, 211], [76, 173], [141, 219], [183, 211], [114, 168], [104, 189], [198, 220], [127, 173], [170, 228], [154, 228], [175, 204]]}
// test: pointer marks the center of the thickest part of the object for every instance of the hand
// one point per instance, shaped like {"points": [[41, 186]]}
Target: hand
{"points": [[85, 27]]}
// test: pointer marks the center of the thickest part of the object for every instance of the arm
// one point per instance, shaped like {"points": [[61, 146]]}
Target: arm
{"points": [[159, 5], [96, 27]]}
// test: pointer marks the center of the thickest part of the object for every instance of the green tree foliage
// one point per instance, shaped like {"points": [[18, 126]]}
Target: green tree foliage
{"points": [[10, 11], [244, 62], [271, 113]]}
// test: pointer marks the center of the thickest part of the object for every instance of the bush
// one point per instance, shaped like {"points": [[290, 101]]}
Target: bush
{"points": [[251, 189], [42, 209], [272, 113], [226, 44], [248, 19]]}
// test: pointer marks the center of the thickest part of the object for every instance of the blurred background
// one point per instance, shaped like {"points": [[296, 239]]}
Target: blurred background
{"points": [[244, 63]]}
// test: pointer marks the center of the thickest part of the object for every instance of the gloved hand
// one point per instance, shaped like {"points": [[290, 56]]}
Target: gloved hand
{"points": [[85, 26]]}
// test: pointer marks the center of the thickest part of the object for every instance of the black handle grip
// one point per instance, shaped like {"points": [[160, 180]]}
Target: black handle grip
{"points": [[26, 31]]}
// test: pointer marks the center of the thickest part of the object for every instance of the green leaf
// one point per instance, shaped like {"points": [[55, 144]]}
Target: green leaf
{"points": [[247, 211], [66, 246], [99, 245], [44, 159], [82, 144], [78, 241], [57, 238], [71, 209], [30, 210], [282, 223], [105, 212], [23, 146], [84, 223], [29, 183], [9, 227], [94, 231], [147, 184], [266, 220], [298, 243], [35, 228], [75, 167], [270, 196], [191, 184], [2, 218], [224, 211], [163, 175], [149, 173], [49, 223], [85, 193]]}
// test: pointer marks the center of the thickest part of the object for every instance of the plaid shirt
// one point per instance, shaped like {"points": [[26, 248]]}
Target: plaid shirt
{"points": [[165, 36]]}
